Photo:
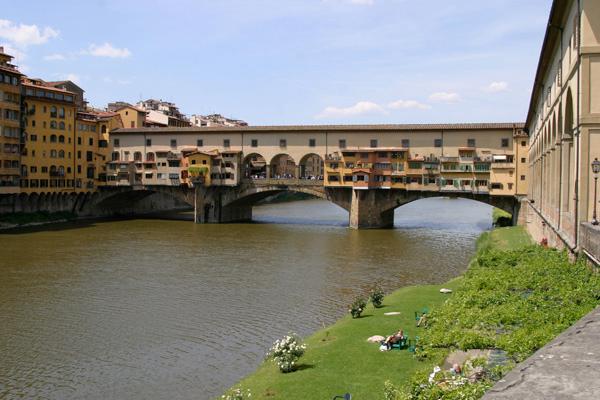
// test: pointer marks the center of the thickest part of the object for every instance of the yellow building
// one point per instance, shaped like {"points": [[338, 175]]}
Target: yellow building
{"points": [[50, 148], [463, 167], [10, 127], [132, 117], [93, 148], [196, 167], [563, 123]]}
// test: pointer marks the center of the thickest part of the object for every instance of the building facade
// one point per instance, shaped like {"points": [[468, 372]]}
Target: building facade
{"points": [[479, 158], [10, 125], [564, 124]]}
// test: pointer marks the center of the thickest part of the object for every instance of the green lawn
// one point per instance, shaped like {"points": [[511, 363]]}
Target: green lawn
{"points": [[508, 238], [340, 360]]}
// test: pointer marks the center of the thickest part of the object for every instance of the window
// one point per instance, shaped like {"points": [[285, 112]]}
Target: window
{"points": [[148, 142], [91, 141], [53, 138], [254, 143], [79, 169], [283, 143], [53, 153], [53, 112], [61, 113], [523, 143], [504, 142], [173, 142], [523, 159], [522, 177], [79, 141], [226, 143], [44, 170], [61, 154], [103, 129], [342, 143], [33, 138], [114, 157], [61, 126], [437, 142], [405, 143], [33, 169], [79, 154], [150, 157], [373, 143], [116, 142], [312, 142], [199, 143], [470, 142], [61, 139], [137, 156], [89, 156]]}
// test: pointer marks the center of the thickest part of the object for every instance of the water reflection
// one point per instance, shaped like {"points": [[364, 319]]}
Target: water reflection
{"points": [[155, 309]]}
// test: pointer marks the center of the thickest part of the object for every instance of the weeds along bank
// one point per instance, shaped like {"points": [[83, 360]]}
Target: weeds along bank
{"points": [[514, 298]]}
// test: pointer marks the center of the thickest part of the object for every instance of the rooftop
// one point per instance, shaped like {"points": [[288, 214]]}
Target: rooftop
{"points": [[316, 128]]}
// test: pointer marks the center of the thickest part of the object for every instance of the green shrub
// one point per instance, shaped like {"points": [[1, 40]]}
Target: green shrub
{"points": [[513, 300], [376, 296], [357, 307], [286, 352]]}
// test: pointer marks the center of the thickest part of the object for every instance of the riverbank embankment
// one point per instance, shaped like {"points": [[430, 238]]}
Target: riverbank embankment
{"points": [[514, 298]]}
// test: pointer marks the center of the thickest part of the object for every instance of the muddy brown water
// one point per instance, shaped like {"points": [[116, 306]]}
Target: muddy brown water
{"points": [[166, 309]]}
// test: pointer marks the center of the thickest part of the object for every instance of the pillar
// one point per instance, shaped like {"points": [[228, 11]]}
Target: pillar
{"points": [[366, 212]]}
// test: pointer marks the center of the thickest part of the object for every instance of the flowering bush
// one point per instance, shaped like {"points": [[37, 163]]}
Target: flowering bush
{"points": [[357, 307], [376, 296], [237, 394], [286, 352]]}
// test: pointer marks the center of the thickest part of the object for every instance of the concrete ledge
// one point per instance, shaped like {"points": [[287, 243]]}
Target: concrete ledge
{"points": [[566, 368]]}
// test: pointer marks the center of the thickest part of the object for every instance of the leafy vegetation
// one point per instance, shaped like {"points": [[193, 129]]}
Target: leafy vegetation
{"points": [[501, 218], [286, 352], [514, 300], [376, 296], [357, 307]]}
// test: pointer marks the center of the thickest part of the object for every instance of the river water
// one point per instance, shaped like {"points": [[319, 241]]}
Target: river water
{"points": [[163, 309]]}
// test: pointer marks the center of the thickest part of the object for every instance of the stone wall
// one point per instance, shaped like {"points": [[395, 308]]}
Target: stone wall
{"points": [[590, 241]]}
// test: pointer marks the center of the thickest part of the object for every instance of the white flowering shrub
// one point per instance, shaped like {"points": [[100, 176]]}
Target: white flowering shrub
{"points": [[237, 394], [286, 352]]}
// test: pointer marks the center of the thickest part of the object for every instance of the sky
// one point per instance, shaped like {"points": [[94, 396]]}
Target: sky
{"points": [[284, 62]]}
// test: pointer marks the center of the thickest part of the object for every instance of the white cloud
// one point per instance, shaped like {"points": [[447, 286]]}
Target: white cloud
{"points": [[107, 50], [445, 97], [24, 35], [402, 104], [496, 87], [54, 57], [360, 108]]}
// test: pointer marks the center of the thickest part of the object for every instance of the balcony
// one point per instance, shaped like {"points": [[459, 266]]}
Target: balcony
{"points": [[503, 165]]}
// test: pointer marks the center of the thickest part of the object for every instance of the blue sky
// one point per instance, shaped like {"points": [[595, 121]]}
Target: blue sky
{"points": [[291, 61]]}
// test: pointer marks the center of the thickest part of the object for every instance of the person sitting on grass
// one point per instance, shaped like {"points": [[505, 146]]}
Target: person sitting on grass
{"points": [[393, 339], [422, 320]]}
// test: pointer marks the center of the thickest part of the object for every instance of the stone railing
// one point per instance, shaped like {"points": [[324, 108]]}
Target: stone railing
{"points": [[284, 182], [590, 241]]}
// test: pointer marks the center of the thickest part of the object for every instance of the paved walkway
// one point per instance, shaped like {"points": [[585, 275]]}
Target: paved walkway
{"points": [[566, 368]]}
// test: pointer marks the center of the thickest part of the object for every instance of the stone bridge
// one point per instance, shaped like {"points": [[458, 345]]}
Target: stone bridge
{"points": [[367, 208], [372, 208]]}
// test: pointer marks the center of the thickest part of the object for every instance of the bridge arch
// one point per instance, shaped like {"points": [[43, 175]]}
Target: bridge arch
{"points": [[283, 166], [254, 166], [311, 166]]}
